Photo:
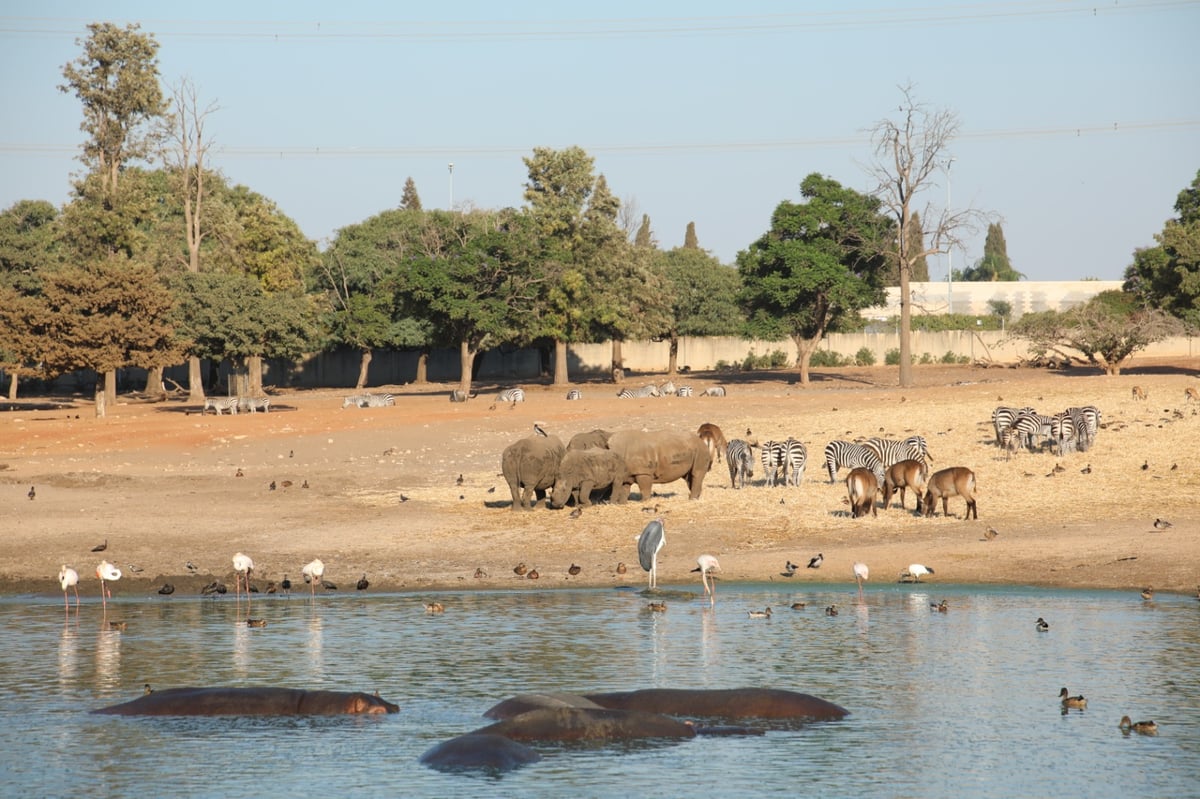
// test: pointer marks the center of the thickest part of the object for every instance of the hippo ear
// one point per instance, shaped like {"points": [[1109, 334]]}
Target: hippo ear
{"points": [[359, 704]]}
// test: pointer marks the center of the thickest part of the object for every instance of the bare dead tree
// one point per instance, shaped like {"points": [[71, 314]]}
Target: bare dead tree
{"points": [[184, 152], [909, 152]]}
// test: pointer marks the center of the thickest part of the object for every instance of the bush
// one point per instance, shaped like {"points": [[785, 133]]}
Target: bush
{"points": [[779, 359], [926, 358], [892, 357], [865, 357], [824, 358], [949, 357], [725, 366]]}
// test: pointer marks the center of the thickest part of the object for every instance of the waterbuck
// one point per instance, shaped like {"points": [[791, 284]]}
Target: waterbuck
{"points": [[905, 474], [862, 485], [957, 481]]}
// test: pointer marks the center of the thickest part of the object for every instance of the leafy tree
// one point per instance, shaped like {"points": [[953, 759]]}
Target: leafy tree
{"points": [[705, 293], [28, 247], [907, 153], [116, 80], [994, 266], [814, 267], [690, 241], [645, 236], [409, 201], [1167, 276], [1106, 331], [1002, 309]]}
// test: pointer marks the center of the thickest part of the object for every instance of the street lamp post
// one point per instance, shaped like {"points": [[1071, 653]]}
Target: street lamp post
{"points": [[451, 166], [949, 249]]}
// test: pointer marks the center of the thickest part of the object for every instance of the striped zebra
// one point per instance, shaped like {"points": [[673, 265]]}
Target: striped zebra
{"points": [[254, 404], [1088, 423], [218, 404], [574, 394], [740, 456], [684, 391], [378, 400], [890, 451], [638, 393], [458, 395], [667, 389], [511, 395], [794, 459], [355, 400], [849, 455], [715, 391], [771, 453], [1003, 418], [1063, 434], [1028, 426]]}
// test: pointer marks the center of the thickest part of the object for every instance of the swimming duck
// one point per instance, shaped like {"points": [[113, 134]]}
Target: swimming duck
{"points": [[832, 610], [434, 607], [1143, 727], [256, 622], [657, 607], [940, 607], [1147, 593], [1077, 702], [760, 614], [1042, 625], [799, 605]]}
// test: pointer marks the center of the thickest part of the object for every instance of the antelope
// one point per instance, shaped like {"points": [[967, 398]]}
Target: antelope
{"points": [[714, 439], [1139, 393], [957, 481], [905, 474], [862, 485], [1191, 394]]}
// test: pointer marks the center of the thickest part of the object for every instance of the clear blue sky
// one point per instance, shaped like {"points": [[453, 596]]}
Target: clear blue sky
{"points": [[1080, 121]]}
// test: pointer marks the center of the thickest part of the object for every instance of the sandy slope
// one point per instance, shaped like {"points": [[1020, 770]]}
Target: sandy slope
{"points": [[160, 484]]}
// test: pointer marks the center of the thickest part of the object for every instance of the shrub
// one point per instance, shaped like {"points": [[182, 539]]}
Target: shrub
{"points": [[926, 358], [864, 357], [892, 357], [779, 359], [825, 358], [949, 357]]}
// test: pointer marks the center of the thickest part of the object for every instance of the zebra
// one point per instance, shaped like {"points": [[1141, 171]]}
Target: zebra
{"points": [[1088, 418], [847, 454], [574, 394], [1002, 419], [355, 400], [458, 395], [1063, 432], [1023, 429], [218, 404], [667, 389], [684, 391], [253, 404], [715, 391], [889, 451], [740, 456], [638, 393], [772, 454], [511, 395], [794, 459]]}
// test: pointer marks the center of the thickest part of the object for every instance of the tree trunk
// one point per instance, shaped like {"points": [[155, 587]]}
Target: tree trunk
{"points": [[363, 365], [906, 369], [154, 381], [561, 376], [12, 386], [240, 377], [254, 369], [466, 360], [110, 387], [805, 347], [100, 393], [673, 356], [422, 367], [618, 362], [195, 381]]}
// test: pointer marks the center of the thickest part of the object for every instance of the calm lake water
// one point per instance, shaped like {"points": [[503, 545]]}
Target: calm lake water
{"points": [[960, 704]]}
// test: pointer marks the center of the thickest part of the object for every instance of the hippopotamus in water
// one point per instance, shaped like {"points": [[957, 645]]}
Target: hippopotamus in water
{"points": [[729, 703], [587, 724], [250, 702], [482, 751]]}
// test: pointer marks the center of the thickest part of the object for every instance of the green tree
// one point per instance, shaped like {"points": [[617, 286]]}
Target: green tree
{"points": [[1167, 276], [689, 237], [1106, 331], [994, 266], [28, 247], [814, 267], [409, 200], [705, 293], [645, 236]]}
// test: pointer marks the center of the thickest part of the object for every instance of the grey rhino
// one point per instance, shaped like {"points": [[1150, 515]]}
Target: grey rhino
{"points": [[530, 467], [659, 457], [594, 438], [583, 471]]}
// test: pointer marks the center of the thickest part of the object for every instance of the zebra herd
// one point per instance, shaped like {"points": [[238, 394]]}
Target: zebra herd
{"points": [[668, 389], [783, 462], [369, 400], [1067, 431], [235, 404]]}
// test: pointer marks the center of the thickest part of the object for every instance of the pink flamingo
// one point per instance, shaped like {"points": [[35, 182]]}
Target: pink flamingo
{"points": [[242, 566], [706, 565], [69, 578], [106, 572]]}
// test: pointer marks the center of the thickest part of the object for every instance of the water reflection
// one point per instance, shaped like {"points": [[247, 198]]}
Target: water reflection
{"points": [[978, 675]]}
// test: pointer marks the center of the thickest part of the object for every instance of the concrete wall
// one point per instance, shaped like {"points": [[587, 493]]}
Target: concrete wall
{"points": [[972, 298]]}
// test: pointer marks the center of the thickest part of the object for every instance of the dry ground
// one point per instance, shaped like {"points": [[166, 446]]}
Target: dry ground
{"points": [[158, 482]]}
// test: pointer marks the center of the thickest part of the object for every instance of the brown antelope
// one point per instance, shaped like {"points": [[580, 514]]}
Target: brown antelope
{"points": [[905, 474], [957, 481], [1191, 394], [862, 485], [714, 439], [1139, 393]]}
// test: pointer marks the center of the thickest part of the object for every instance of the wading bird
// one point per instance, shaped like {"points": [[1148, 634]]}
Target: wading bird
{"points": [[861, 575], [706, 565], [69, 578], [916, 571], [313, 572], [106, 572], [242, 566], [649, 543]]}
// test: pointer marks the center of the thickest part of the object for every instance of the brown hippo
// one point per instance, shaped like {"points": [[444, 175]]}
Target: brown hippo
{"points": [[730, 703], [659, 457], [250, 702], [583, 471], [587, 724], [484, 751], [530, 467]]}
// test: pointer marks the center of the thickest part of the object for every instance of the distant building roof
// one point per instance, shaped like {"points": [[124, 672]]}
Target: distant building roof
{"points": [[972, 298]]}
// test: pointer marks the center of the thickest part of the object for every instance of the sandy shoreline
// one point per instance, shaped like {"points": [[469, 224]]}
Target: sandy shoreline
{"points": [[159, 482]]}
